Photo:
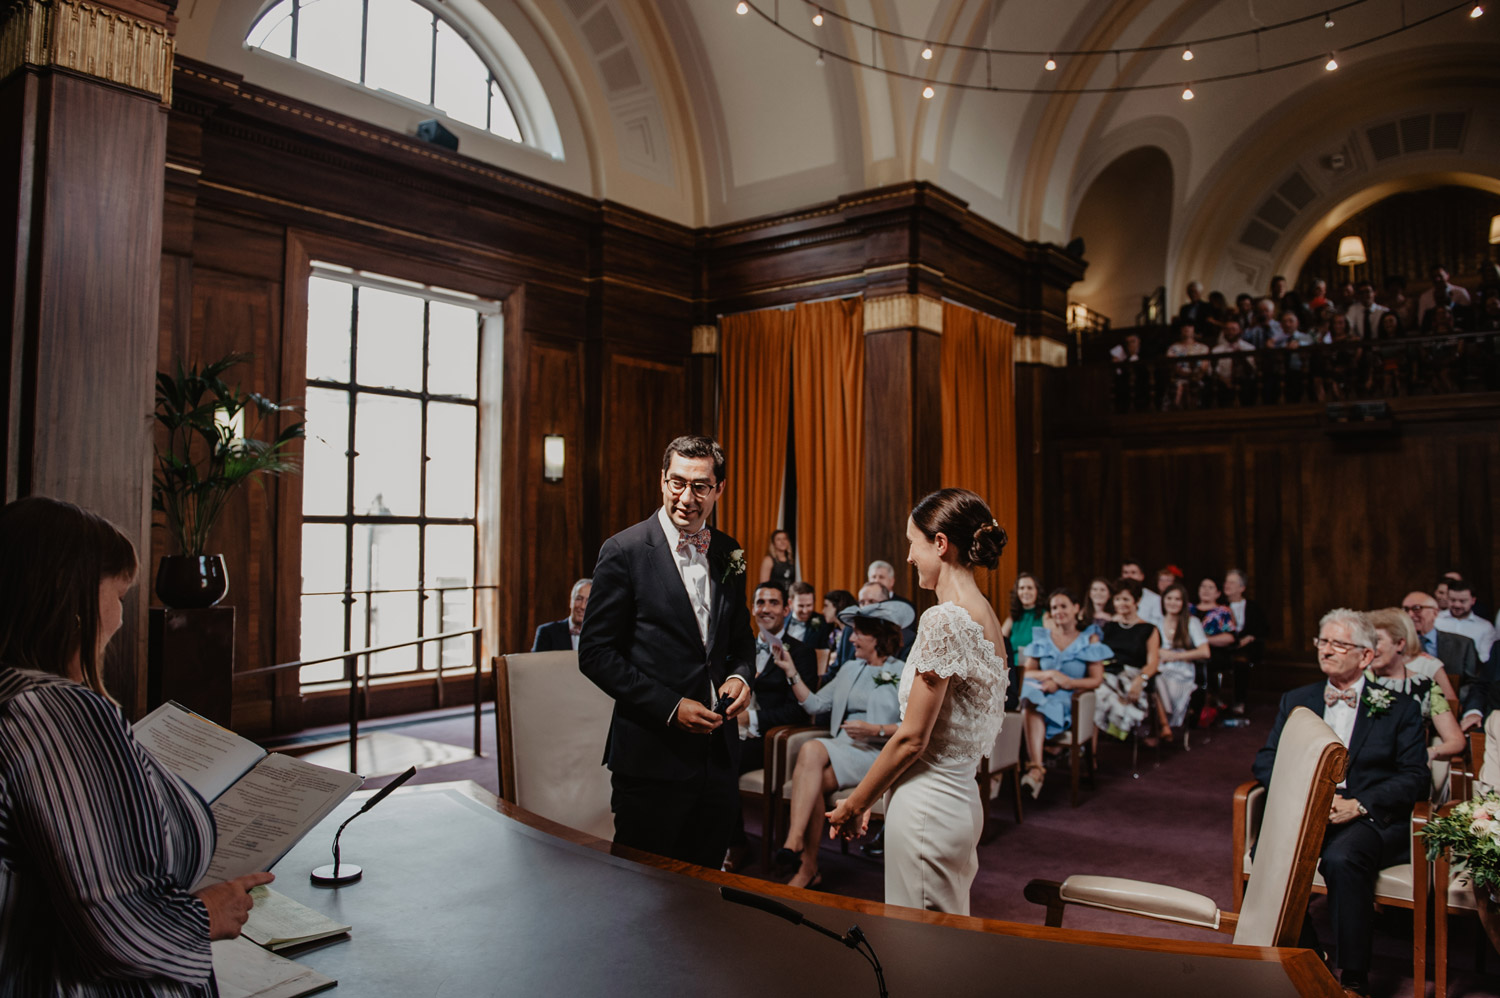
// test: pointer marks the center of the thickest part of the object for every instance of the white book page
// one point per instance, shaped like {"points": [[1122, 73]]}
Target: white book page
{"points": [[244, 970], [276, 920], [207, 757], [269, 810]]}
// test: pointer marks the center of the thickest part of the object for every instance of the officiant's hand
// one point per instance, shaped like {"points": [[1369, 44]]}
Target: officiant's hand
{"points": [[229, 904]]}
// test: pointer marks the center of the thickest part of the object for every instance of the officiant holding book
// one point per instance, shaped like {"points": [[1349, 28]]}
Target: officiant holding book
{"points": [[667, 635]]}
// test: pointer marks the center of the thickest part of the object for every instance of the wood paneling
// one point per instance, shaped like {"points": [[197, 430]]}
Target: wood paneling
{"points": [[646, 407]]}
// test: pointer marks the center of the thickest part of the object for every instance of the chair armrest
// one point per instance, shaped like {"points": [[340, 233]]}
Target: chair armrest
{"points": [[1135, 897], [780, 745]]}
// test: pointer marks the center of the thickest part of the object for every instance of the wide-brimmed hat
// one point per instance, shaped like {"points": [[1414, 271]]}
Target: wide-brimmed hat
{"points": [[892, 611]]}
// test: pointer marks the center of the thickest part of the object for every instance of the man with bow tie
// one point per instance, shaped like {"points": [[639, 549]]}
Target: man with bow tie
{"points": [[1369, 821], [667, 634]]}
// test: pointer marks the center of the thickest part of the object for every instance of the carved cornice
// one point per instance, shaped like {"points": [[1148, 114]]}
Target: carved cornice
{"points": [[903, 312], [1041, 350], [132, 48]]}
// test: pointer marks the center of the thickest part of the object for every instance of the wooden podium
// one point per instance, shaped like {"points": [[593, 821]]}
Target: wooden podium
{"points": [[191, 660]]}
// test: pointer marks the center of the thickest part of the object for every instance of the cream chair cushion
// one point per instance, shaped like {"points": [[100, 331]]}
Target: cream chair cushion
{"points": [[1007, 750], [1083, 716], [1136, 897], [1489, 770], [753, 782], [558, 722]]}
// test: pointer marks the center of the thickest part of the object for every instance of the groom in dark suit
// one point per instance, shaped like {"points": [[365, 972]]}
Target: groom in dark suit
{"points": [[1369, 820], [667, 633]]}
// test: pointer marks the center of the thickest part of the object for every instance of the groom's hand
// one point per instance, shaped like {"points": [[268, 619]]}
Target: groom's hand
{"points": [[741, 691], [693, 717]]}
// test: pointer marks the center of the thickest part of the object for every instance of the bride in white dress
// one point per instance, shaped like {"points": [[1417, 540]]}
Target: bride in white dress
{"points": [[952, 697]]}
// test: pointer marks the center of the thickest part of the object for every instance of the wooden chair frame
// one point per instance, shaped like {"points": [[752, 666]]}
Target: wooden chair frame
{"points": [[1462, 783]]}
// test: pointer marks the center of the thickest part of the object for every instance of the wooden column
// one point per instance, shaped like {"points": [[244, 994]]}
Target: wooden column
{"points": [[83, 91], [903, 422], [703, 381]]}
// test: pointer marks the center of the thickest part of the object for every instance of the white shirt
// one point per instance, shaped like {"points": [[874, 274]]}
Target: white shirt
{"points": [[1356, 317], [1238, 609], [1477, 628], [692, 565], [1340, 716], [762, 663], [575, 638], [1149, 607]]}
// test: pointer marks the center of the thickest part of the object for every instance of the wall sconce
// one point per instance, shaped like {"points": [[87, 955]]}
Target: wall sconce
{"points": [[1351, 252], [552, 458], [1494, 229]]}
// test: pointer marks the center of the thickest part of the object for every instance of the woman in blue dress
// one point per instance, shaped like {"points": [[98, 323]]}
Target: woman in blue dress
{"points": [[1059, 661]]}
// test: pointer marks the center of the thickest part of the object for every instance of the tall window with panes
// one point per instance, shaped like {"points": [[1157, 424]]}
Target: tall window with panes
{"points": [[389, 534]]}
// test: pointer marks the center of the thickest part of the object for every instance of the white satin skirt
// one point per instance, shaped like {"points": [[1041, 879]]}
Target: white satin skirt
{"points": [[932, 825]]}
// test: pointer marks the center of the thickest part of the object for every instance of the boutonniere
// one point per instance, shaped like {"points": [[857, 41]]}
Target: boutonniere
{"points": [[734, 565], [1378, 699], [886, 677]]}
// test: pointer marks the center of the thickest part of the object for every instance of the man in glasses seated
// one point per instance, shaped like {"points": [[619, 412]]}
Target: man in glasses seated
{"points": [[1457, 652], [1386, 775]]}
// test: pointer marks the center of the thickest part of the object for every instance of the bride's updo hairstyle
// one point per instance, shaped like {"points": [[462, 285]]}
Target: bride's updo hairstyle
{"points": [[966, 521]]}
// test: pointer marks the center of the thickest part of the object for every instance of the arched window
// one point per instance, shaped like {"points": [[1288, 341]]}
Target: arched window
{"points": [[400, 47]]}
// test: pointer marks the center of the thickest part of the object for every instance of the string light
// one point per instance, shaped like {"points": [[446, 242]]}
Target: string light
{"points": [[1478, 11], [1187, 93], [742, 8], [1332, 63], [819, 60], [1327, 20], [927, 52], [1050, 64], [818, 18], [1187, 55], [928, 92]]}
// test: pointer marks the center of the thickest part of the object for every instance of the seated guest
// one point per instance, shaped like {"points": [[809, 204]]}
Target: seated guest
{"points": [[1364, 315], [1183, 643], [1394, 639], [1121, 702], [1264, 330], [1218, 625], [1461, 619], [1026, 615], [1442, 294], [806, 624], [1368, 823], [1099, 609], [1149, 603], [869, 594], [1166, 577], [99, 842], [1195, 311], [562, 635], [1456, 652], [1234, 372], [771, 702], [862, 701], [1244, 311], [1319, 294], [1058, 661], [1127, 352], [1186, 375], [884, 573], [779, 563], [1251, 630], [836, 601]]}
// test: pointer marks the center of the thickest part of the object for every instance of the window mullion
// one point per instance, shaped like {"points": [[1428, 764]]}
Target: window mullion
{"points": [[422, 496], [350, 454], [432, 68], [364, 39]]}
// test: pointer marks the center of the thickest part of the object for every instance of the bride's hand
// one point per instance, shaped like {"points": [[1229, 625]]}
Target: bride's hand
{"points": [[845, 822]]}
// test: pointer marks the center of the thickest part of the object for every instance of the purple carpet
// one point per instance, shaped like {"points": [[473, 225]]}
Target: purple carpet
{"points": [[1170, 825]]}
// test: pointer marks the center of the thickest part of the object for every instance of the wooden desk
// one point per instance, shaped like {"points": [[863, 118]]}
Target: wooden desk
{"points": [[464, 894]]}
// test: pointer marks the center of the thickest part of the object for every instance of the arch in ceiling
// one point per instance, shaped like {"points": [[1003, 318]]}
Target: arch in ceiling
{"points": [[1124, 217], [1288, 143]]}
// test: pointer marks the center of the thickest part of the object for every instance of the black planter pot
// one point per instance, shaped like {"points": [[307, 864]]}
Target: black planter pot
{"points": [[191, 582]]}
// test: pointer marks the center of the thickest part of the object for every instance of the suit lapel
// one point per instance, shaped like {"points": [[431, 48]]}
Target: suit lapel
{"points": [[1362, 723], [718, 557], [664, 564]]}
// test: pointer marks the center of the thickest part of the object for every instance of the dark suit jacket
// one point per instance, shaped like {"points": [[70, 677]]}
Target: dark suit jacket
{"points": [[775, 703], [1257, 625], [641, 645], [1387, 770], [1461, 661], [553, 637]]}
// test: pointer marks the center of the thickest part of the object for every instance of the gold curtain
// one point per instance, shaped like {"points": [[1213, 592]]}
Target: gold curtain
{"points": [[979, 425], [828, 396], [755, 399]]}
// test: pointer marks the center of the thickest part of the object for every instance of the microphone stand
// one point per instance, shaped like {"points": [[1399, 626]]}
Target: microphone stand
{"points": [[854, 938], [330, 876]]}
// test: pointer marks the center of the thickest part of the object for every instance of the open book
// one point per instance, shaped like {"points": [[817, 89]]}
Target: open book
{"points": [[263, 803]]}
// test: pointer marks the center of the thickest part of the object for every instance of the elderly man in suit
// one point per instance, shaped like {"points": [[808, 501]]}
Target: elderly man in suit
{"points": [[1368, 822], [562, 635], [667, 636], [1457, 653]]}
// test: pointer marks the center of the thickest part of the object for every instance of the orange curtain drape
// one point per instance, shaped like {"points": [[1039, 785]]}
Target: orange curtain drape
{"points": [[755, 400], [828, 399], [979, 425]]}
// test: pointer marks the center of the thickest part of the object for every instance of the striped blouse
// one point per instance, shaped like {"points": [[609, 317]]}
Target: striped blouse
{"points": [[98, 847]]}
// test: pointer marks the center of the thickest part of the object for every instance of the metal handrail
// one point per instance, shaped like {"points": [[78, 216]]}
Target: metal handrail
{"points": [[359, 680]]}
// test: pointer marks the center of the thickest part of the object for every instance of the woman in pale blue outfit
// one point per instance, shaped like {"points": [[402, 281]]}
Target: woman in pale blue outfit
{"points": [[862, 698], [1058, 662]]}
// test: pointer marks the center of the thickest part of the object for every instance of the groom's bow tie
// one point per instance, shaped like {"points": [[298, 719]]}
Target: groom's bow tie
{"points": [[698, 539]]}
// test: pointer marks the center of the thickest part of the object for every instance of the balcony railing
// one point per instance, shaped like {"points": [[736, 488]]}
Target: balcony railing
{"points": [[1355, 371]]}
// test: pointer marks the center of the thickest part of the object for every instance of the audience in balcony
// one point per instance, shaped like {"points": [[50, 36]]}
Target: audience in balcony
{"points": [[1187, 376], [1195, 311], [1319, 297], [1265, 331], [1443, 293], [1244, 310], [1233, 374], [1057, 662]]}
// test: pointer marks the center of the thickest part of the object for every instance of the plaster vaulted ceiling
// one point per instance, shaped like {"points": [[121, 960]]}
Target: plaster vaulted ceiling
{"points": [[693, 112]]}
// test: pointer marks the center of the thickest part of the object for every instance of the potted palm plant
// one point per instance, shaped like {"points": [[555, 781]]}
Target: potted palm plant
{"points": [[211, 449]]}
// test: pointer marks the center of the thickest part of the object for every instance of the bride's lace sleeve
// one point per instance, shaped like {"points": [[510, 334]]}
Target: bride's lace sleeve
{"points": [[943, 647]]}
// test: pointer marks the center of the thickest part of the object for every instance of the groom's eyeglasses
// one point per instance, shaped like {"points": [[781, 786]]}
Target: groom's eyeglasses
{"points": [[677, 487]]}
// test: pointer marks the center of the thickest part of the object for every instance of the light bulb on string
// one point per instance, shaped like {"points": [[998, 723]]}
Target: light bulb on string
{"points": [[1332, 63], [1328, 20], [1478, 11], [927, 52], [742, 7], [928, 92], [1050, 64], [1187, 55], [819, 60], [1187, 93], [818, 18]]}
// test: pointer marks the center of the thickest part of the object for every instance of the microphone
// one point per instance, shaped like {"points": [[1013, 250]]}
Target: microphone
{"points": [[854, 938], [332, 876]]}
